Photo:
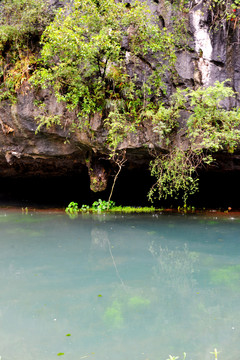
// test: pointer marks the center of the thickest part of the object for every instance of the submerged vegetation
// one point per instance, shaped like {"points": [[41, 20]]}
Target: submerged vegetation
{"points": [[215, 353]]}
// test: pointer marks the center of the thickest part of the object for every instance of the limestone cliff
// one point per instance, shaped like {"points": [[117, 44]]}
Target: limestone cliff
{"points": [[211, 54]]}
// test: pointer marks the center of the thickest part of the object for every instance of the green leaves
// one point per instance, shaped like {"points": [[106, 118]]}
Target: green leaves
{"points": [[103, 57], [102, 205], [20, 22], [22, 18], [99, 205], [175, 174], [209, 128], [224, 10], [72, 208], [92, 55]]}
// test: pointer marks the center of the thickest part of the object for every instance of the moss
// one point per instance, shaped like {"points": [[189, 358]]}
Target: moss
{"points": [[138, 302], [113, 315], [227, 276], [124, 209]]}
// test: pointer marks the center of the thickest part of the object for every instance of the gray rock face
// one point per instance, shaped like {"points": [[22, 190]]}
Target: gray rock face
{"points": [[51, 152], [212, 56], [185, 65]]}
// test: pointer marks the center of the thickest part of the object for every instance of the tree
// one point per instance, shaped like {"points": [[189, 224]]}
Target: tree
{"points": [[113, 58], [93, 55], [209, 128]]}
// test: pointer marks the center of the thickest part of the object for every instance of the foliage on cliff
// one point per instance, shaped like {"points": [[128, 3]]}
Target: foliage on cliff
{"points": [[21, 25], [209, 128], [95, 58], [20, 20], [116, 60], [223, 11]]}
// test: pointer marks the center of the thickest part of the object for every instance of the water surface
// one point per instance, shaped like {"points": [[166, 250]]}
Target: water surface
{"points": [[109, 287]]}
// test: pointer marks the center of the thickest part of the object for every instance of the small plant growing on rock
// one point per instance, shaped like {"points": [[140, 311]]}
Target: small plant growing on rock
{"points": [[99, 205], [85, 207], [72, 208], [102, 205]]}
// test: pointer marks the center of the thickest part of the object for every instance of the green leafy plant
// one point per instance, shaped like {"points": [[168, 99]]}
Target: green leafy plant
{"points": [[179, 10], [16, 77], [209, 128], [113, 60], [85, 208], [175, 174], [102, 205], [92, 55], [107, 58], [20, 20], [47, 121], [224, 10], [72, 208], [21, 24]]}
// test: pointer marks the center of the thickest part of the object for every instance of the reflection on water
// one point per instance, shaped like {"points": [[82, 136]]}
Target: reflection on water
{"points": [[118, 287]]}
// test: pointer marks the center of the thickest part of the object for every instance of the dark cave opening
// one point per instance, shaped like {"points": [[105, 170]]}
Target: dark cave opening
{"points": [[217, 190]]}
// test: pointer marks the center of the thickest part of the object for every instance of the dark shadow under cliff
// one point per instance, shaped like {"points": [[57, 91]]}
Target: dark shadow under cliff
{"points": [[217, 190]]}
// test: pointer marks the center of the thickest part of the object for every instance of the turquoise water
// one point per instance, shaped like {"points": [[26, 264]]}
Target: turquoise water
{"points": [[119, 287]]}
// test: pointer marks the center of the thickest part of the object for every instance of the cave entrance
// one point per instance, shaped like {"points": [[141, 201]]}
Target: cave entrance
{"points": [[217, 190]]}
